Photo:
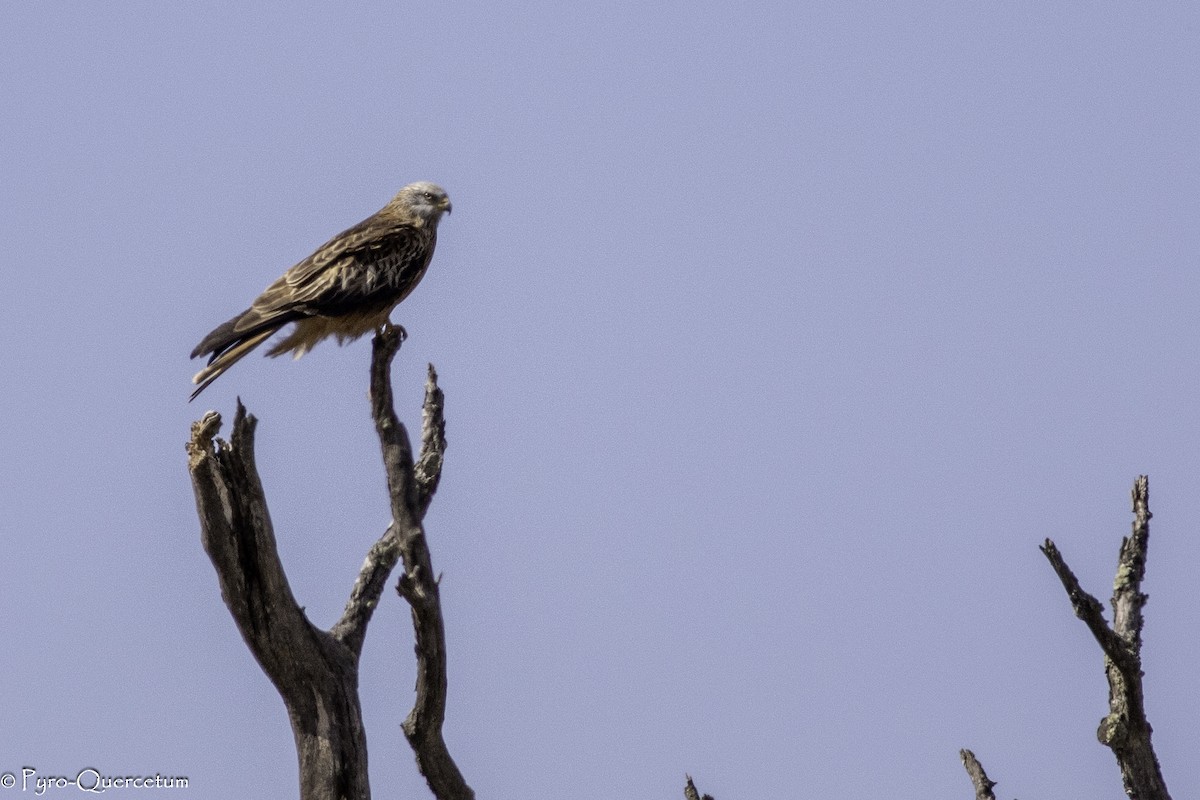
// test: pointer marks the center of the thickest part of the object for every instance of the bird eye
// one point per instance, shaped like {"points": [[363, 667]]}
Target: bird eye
{"points": [[429, 196]]}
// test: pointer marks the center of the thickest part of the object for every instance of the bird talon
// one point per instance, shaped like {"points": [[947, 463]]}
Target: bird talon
{"points": [[386, 330]]}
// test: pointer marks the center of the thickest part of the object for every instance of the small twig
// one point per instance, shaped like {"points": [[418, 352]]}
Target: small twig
{"points": [[1125, 730], [428, 469], [1086, 607], [979, 779]]}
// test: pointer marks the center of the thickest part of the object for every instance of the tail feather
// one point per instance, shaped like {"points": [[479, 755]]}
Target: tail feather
{"points": [[221, 337], [249, 323], [225, 355], [229, 342]]}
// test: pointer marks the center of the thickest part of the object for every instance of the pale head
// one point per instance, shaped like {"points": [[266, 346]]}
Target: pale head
{"points": [[423, 199]]}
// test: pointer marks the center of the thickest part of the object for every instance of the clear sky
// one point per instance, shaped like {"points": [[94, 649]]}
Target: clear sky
{"points": [[775, 338]]}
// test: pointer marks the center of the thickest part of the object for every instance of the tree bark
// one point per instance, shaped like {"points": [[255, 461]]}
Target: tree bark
{"points": [[316, 671], [979, 779], [1125, 730], [411, 485], [690, 792]]}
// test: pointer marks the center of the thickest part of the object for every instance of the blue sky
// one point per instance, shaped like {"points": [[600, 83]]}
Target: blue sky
{"points": [[775, 339]]}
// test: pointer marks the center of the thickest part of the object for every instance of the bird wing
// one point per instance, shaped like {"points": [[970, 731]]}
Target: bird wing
{"points": [[374, 263], [364, 268], [366, 263], [347, 243]]}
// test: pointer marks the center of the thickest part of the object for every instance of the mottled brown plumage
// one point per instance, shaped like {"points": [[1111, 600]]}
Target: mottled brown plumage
{"points": [[348, 287]]}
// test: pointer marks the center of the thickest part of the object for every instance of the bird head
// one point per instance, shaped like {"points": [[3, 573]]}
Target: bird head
{"points": [[423, 199]]}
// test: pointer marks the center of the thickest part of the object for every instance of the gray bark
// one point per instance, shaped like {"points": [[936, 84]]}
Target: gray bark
{"points": [[690, 792], [979, 779], [1125, 730], [316, 671]]}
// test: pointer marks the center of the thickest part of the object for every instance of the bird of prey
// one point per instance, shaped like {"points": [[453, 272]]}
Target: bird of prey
{"points": [[348, 287]]}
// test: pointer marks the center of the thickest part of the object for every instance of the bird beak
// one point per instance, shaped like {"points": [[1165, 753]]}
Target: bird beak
{"points": [[446, 206]]}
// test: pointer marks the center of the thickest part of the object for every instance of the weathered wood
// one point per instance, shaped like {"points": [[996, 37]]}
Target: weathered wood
{"points": [[410, 492], [979, 779], [1125, 730], [316, 671], [691, 793]]}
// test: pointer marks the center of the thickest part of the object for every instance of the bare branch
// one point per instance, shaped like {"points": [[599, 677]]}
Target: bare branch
{"points": [[691, 793], [315, 674], [383, 555], [433, 441], [410, 498], [1127, 599], [381, 559], [393, 436], [1125, 730], [1087, 607], [979, 779]]}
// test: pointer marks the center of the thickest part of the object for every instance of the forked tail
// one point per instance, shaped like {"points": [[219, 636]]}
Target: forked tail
{"points": [[219, 363]]}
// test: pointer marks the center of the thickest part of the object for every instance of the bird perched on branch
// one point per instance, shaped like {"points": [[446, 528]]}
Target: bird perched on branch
{"points": [[348, 287]]}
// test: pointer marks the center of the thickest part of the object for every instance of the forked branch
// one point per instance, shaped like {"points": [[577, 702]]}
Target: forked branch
{"points": [[316, 671], [411, 485], [1125, 729]]}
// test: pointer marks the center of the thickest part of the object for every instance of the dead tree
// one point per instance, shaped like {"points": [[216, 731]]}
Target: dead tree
{"points": [[1125, 730], [979, 779], [316, 671]]}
